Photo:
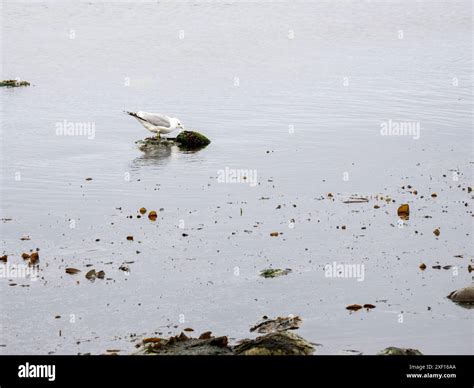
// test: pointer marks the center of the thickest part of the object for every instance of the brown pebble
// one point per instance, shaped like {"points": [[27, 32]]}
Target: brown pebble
{"points": [[206, 335]]}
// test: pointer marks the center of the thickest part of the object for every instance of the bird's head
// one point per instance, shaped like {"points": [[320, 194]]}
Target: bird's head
{"points": [[177, 123]]}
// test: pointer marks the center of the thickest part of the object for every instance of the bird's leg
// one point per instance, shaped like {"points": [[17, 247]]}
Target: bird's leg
{"points": [[158, 135]]}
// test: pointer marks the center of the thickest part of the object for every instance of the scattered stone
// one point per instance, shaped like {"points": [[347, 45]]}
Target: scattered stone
{"points": [[101, 274], [463, 295], [274, 272], [369, 306], [91, 275], [206, 335], [124, 268], [130, 238], [354, 307], [13, 83], [356, 200], [4, 258], [72, 271], [34, 257], [278, 324], [152, 216], [142, 210], [404, 211], [422, 266], [436, 232], [25, 256], [274, 234]]}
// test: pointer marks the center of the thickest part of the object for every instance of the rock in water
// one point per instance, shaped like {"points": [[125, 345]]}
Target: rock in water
{"points": [[13, 83], [394, 351], [463, 295], [279, 324], [274, 272], [192, 140], [275, 344], [183, 345], [186, 140]]}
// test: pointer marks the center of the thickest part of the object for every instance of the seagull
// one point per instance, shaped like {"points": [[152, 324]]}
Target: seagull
{"points": [[156, 122]]}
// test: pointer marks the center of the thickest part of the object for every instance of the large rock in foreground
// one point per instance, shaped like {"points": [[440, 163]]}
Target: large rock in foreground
{"points": [[394, 351], [205, 345], [275, 344], [463, 295]]}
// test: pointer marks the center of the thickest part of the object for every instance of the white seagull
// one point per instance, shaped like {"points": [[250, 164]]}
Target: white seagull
{"points": [[156, 122]]}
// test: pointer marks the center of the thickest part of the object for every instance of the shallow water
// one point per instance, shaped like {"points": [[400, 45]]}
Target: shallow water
{"points": [[298, 93]]}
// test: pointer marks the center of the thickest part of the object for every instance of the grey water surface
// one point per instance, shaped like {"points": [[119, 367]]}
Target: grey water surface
{"points": [[297, 93]]}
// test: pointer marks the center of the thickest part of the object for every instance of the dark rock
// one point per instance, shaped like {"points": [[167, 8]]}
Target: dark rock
{"points": [[394, 351], [278, 324], [184, 345], [13, 83], [275, 344], [191, 140]]}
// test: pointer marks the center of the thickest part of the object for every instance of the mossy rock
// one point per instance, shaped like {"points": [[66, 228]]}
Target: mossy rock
{"points": [[394, 351], [274, 272], [13, 83], [275, 344], [153, 143], [191, 140]]}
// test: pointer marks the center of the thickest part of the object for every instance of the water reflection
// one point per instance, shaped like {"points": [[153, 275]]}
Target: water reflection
{"points": [[158, 155]]}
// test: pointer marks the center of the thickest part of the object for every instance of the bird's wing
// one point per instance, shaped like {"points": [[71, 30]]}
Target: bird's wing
{"points": [[155, 119]]}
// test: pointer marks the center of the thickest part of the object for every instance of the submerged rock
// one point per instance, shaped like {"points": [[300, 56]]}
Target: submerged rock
{"points": [[394, 351], [13, 83], [186, 140], [275, 344], [463, 295]]}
